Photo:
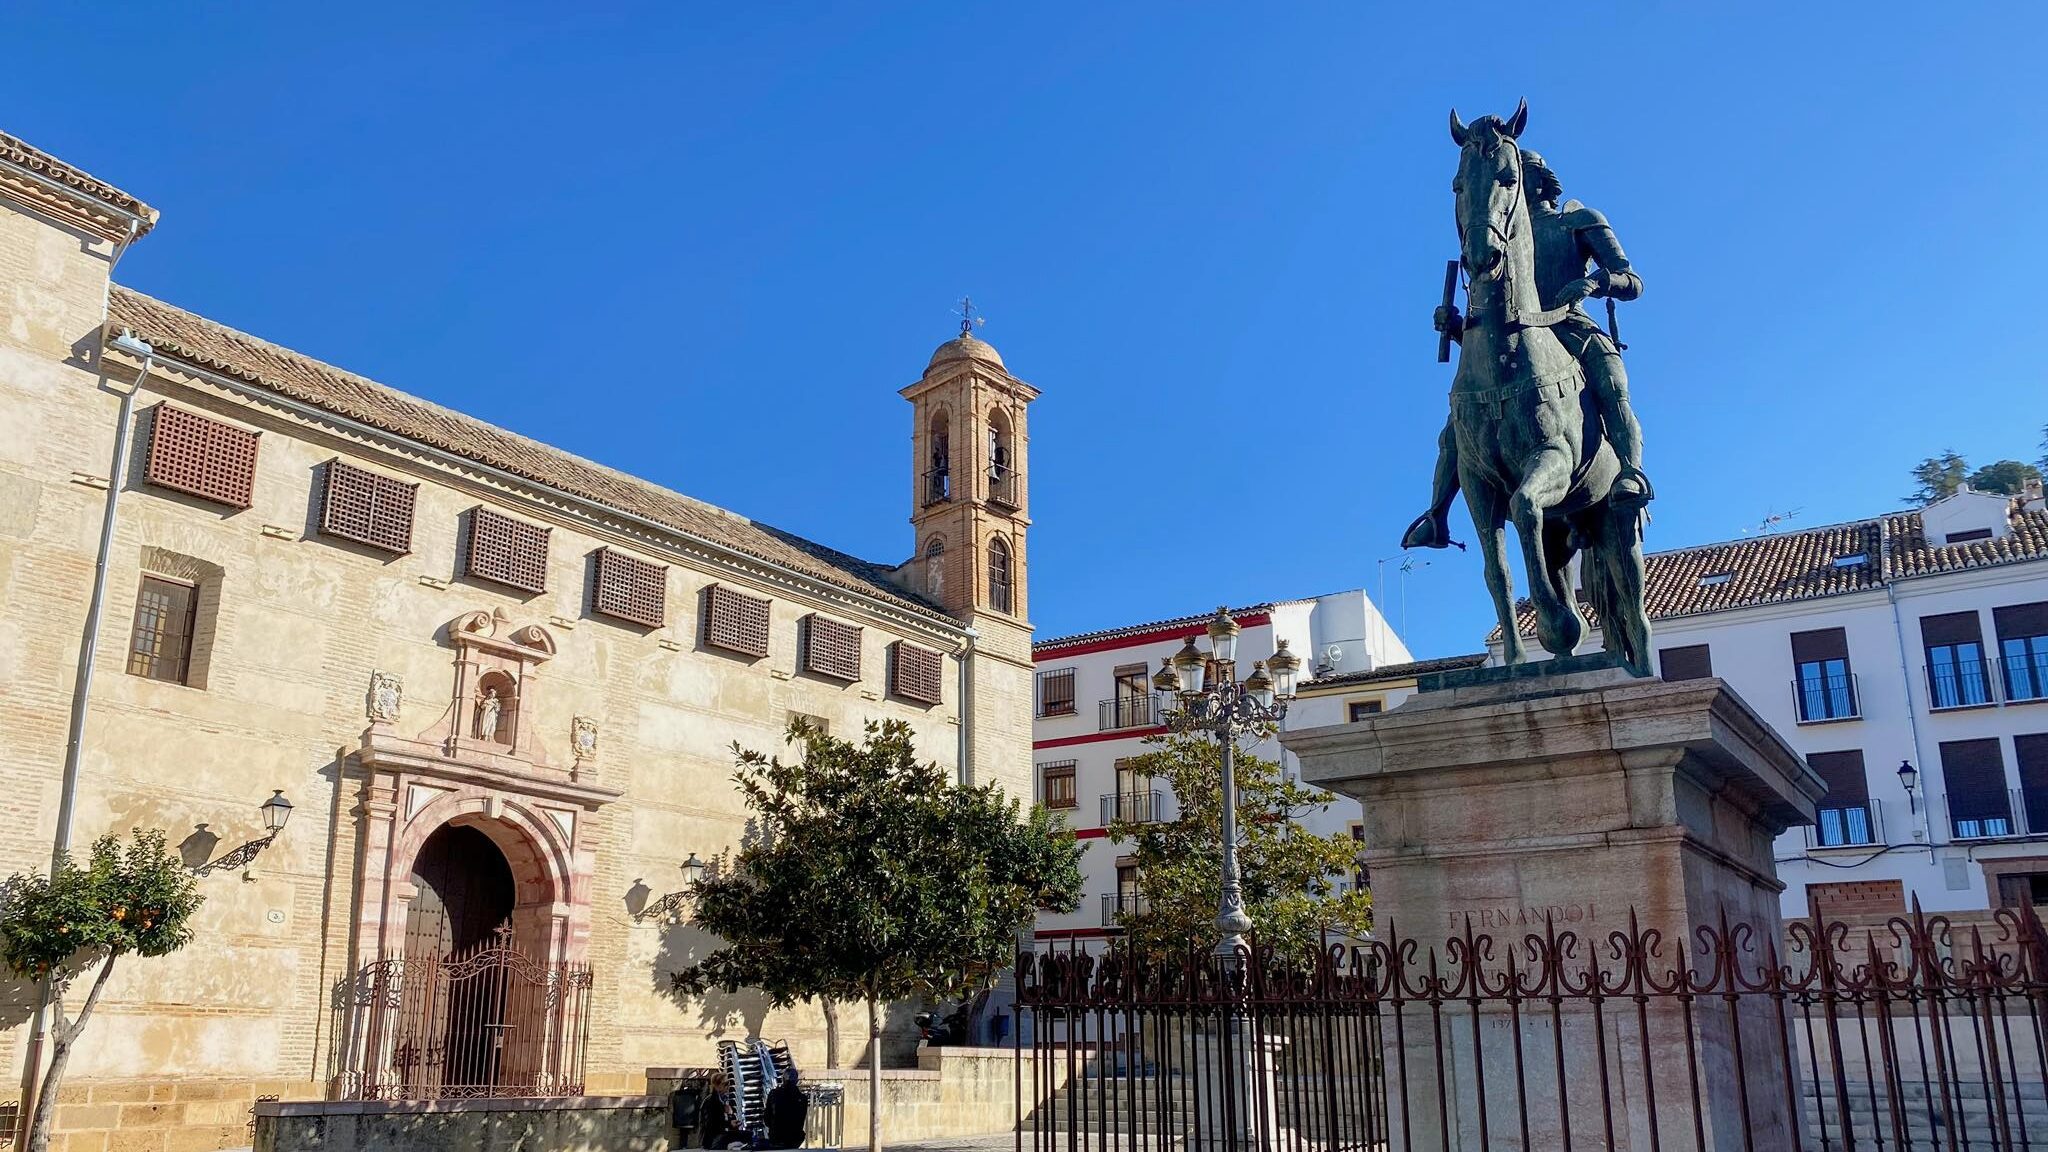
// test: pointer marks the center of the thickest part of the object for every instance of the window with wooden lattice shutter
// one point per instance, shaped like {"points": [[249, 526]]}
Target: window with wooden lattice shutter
{"points": [[915, 673], [508, 551], [358, 504], [831, 648], [630, 589], [735, 621], [201, 457]]}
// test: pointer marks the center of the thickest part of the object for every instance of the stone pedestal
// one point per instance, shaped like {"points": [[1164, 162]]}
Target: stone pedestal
{"points": [[1579, 798]]}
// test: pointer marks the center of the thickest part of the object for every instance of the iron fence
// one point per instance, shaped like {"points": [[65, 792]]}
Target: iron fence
{"points": [[488, 1021], [1914, 1034]]}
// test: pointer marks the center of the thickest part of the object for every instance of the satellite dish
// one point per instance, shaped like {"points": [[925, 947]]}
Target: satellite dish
{"points": [[1333, 655]]}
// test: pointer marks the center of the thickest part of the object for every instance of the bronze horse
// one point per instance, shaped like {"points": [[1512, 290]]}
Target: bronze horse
{"points": [[1528, 433]]}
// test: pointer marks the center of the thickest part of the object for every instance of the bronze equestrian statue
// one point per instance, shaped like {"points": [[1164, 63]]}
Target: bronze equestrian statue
{"points": [[1527, 438]]}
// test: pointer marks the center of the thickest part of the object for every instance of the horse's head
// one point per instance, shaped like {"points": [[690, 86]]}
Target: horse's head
{"points": [[1488, 187]]}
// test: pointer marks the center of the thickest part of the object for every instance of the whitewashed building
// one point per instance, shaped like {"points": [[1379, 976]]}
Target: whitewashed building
{"points": [[1906, 656], [1094, 707]]}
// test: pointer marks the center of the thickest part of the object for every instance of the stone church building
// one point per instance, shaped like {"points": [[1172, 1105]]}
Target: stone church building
{"points": [[497, 683]]}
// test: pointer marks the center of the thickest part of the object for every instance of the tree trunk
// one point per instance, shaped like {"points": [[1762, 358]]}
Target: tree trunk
{"points": [[874, 1077], [64, 1035], [831, 1009]]}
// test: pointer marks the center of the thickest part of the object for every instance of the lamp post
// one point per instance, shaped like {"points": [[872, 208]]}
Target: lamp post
{"points": [[1205, 695]]}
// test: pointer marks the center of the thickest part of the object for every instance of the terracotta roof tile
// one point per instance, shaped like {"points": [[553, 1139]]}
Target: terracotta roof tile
{"points": [[182, 335], [1058, 642], [1396, 671], [1790, 566], [21, 153]]}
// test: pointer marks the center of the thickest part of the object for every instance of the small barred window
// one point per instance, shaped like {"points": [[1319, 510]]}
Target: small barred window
{"points": [[915, 673], [831, 648], [205, 458], [630, 589], [735, 621], [508, 551], [357, 504]]}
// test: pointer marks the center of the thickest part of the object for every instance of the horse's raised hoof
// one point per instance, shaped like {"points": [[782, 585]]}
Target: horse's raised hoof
{"points": [[1560, 632], [1428, 531]]}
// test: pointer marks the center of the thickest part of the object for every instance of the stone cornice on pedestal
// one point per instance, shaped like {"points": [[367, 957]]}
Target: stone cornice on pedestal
{"points": [[1590, 717]]}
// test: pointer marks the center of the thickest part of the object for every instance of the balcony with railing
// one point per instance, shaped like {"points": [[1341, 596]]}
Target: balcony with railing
{"points": [[2026, 676], [2000, 818], [1133, 807], [1120, 712], [1005, 487], [1847, 826], [1825, 699], [1117, 905], [1954, 684], [938, 486]]}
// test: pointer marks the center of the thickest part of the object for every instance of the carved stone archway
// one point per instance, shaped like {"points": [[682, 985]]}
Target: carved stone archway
{"points": [[537, 814]]}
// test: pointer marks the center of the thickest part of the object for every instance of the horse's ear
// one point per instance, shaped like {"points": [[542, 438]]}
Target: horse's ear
{"points": [[1518, 121], [1458, 130]]}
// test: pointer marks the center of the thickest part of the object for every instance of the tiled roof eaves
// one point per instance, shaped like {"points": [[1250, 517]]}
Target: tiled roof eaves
{"points": [[1396, 672], [380, 407], [1058, 642], [1795, 567], [45, 167]]}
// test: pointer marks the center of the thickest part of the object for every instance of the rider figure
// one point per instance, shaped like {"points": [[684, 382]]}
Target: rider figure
{"points": [[1566, 240]]}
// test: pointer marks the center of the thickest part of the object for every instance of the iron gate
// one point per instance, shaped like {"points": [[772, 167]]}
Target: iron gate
{"points": [[1915, 1033], [488, 1021]]}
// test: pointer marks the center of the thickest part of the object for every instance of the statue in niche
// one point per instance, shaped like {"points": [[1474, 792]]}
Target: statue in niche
{"points": [[487, 712]]}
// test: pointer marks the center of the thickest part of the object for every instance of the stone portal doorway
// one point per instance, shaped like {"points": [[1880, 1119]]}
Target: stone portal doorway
{"points": [[457, 927]]}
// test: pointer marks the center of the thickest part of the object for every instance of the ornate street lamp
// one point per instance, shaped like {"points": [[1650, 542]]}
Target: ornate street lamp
{"points": [[1908, 776], [1227, 709]]}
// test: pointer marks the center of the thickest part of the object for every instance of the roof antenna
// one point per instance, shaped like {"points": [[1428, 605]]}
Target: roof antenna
{"points": [[1771, 522], [969, 319]]}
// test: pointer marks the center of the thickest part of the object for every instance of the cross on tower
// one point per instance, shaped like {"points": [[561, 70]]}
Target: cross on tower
{"points": [[968, 319]]}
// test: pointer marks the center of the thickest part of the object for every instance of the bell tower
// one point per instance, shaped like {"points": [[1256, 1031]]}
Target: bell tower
{"points": [[970, 504]]}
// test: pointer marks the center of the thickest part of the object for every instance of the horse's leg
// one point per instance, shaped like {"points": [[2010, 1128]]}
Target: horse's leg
{"points": [[1544, 484], [1622, 549], [1489, 523], [1557, 553]]}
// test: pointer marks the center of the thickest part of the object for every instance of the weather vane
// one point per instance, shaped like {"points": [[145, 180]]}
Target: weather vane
{"points": [[968, 319]]}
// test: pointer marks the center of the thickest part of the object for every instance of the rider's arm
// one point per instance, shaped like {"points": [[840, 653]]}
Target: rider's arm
{"points": [[1616, 278]]}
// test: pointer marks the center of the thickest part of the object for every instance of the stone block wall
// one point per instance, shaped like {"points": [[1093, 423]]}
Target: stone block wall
{"points": [[581, 1124]]}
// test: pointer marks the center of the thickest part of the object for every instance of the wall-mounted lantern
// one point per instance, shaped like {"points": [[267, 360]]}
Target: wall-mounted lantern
{"points": [[1908, 776], [669, 909], [276, 813]]}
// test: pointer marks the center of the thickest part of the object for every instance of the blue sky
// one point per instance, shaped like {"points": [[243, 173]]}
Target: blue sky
{"points": [[708, 243]]}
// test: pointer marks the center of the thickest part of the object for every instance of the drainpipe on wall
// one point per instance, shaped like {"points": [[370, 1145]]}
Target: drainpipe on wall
{"points": [[88, 651], [965, 758], [1891, 595]]}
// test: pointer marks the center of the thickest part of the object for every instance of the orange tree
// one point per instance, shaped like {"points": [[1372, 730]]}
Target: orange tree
{"points": [[872, 876], [127, 898]]}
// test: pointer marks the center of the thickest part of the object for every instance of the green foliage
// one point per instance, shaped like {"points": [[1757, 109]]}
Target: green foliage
{"points": [[2005, 477], [1936, 477], [873, 876], [1288, 872], [134, 898]]}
